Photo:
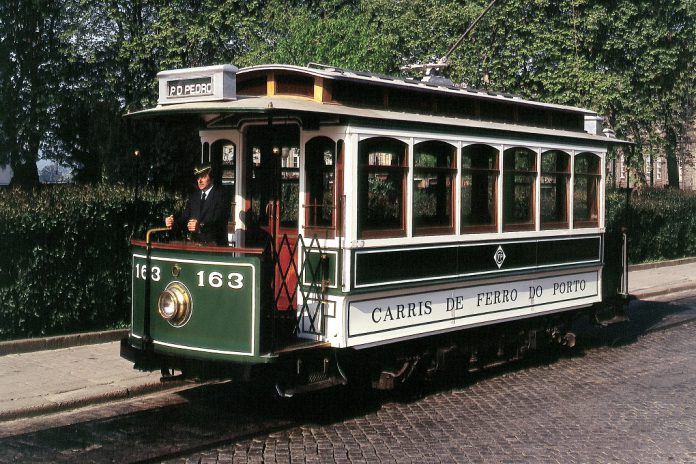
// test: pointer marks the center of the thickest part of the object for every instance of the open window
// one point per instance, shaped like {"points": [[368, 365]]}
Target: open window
{"points": [[480, 171], [555, 185], [588, 176], [434, 169], [382, 176], [519, 185], [272, 176]]}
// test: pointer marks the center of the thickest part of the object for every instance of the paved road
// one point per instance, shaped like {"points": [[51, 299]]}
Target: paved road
{"points": [[624, 395]]}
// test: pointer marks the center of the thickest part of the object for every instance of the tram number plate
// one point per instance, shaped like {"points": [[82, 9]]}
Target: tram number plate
{"points": [[141, 272], [215, 279]]}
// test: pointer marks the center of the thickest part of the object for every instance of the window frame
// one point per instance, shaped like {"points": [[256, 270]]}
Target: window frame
{"points": [[365, 148], [326, 231], [533, 174], [597, 177], [446, 172], [495, 171], [549, 225]]}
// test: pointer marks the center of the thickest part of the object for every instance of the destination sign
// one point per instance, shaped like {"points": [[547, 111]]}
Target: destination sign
{"points": [[470, 305], [207, 83], [190, 87]]}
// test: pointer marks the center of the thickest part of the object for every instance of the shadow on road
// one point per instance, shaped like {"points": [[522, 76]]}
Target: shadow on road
{"points": [[644, 317], [221, 414]]}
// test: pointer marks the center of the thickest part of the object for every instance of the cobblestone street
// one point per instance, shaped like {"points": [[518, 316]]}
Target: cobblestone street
{"points": [[631, 403], [624, 394]]}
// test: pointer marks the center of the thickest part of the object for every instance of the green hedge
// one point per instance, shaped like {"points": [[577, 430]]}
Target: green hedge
{"points": [[64, 256], [661, 223], [65, 262]]}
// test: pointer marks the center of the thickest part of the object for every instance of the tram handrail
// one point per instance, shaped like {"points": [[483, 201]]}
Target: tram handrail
{"points": [[196, 247], [153, 231]]}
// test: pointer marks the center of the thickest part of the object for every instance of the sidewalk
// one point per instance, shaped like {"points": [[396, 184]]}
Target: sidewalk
{"points": [[648, 280], [38, 382]]}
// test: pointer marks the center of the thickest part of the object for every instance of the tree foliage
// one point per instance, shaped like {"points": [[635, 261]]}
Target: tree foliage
{"points": [[69, 69], [30, 51]]}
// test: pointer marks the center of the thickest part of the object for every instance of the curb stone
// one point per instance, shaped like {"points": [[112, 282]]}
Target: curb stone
{"points": [[664, 291], [658, 264], [62, 341], [105, 397]]}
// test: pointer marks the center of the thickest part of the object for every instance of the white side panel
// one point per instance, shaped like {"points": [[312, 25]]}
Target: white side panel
{"points": [[375, 321]]}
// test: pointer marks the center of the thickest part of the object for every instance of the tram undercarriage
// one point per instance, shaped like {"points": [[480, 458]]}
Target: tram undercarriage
{"points": [[394, 366]]}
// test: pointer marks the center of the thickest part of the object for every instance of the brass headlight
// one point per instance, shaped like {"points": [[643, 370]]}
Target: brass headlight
{"points": [[174, 304]]}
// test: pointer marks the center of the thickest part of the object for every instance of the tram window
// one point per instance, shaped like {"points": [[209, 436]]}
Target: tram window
{"points": [[289, 186], [565, 120], [294, 84], [357, 94], [586, 190], [519, 179], [555, 181], [455, 107], [255, 85], [381, 187], [433, 178], [223, 159], [532, 116], [479, 188], [400, 100], [320, 165], [495, 111]]}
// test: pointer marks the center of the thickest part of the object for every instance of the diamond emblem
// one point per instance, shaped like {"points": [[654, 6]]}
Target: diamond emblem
{"points": [[499, 256]]}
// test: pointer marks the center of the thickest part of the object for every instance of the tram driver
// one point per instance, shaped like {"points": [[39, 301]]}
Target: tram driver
{"points": [[204, 219]]}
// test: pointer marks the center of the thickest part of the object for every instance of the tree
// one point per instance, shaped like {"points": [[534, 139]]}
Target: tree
{"points": [[29, 56], [54, 173], [69, 69], [117, 48], [652, 46]]}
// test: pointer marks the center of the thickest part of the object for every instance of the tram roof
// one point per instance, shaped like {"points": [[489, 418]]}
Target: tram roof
{"points": [[336, 73], [269, 105], [275, 104]]}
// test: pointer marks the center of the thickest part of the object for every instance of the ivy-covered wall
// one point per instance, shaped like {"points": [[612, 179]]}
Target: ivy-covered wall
{"points": [[64, 256]]}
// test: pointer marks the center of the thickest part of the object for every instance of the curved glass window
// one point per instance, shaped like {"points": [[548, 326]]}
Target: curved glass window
{"points": [[382, 187], [555, 184], [588, 176], [434, 169], [480, 171], [519, 180]]}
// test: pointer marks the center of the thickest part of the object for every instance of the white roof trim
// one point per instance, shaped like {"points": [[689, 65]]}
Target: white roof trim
{"points": [[263, 105]]}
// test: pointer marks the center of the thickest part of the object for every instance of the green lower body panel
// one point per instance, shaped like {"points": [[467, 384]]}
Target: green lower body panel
{"points": [[221, 306]]}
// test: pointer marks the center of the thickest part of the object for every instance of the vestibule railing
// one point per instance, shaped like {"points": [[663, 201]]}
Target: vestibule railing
{"points": [[300, 284]]}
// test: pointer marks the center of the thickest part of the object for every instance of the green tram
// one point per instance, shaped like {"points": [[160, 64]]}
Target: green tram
{"points": [[379, 228]]}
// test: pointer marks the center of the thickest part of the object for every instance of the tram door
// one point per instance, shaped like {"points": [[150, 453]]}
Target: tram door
{"points": [[223, 161], [272, 200]]}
